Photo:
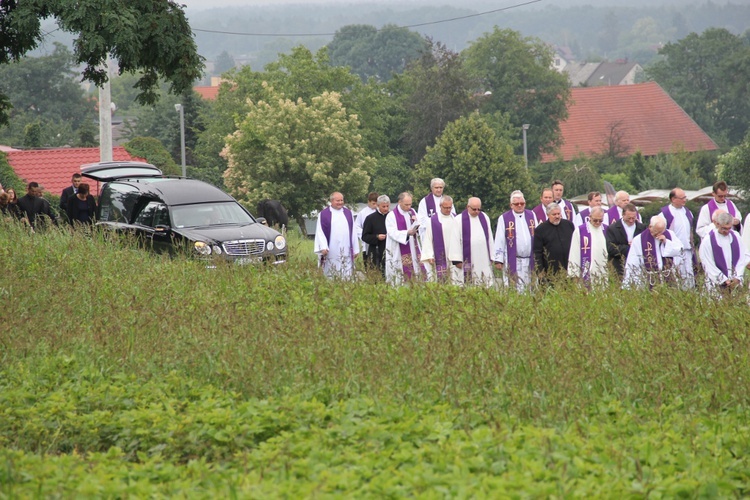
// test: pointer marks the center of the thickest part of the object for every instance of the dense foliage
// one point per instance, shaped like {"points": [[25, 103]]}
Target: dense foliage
{"points": [[296, 152], [149, 36], [300, 386]]}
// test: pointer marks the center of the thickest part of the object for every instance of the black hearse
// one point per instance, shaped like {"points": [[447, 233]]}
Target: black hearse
{"points": [[171, 214]]}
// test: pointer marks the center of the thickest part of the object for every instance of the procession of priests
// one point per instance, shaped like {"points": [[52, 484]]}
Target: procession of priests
{"points": [[529, 247]]}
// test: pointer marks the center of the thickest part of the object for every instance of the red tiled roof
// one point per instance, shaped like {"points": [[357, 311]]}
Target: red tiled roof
{"points": [[647, 118], [207, 93], [52, 168]]}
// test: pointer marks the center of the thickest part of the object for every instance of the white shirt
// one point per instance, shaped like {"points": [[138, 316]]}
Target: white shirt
{"points": [[522, 234], [359, 223], [705, 225], [714, 276], [338, 261], [635, 264], [423, 216]]}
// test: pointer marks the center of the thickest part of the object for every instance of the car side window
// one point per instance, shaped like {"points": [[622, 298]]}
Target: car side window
{"points": [[153, 214], [116, 202]]}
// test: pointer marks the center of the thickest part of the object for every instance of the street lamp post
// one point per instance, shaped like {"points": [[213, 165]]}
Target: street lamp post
{"points": [[525, 127], [179, 109]]}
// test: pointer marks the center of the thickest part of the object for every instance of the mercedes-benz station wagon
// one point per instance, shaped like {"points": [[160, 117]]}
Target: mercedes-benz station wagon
{"points": [[171, 214]]}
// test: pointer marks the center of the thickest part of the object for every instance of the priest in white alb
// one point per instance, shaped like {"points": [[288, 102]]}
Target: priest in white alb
{"points": [[435, 244], [587, 259], [336, 241], [723, 256], [651, 256], [401, 249], [514, 243], [472, 246], [429, 205]]}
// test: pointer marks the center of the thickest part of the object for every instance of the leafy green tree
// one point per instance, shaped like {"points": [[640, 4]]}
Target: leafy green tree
{"points": [[32, 135], [434, 91], [151, 36], [224, 62], [518, 72], [580, 176], [707, 75], [153, 152], [45, 91], [475, 161], [161, 121], [733, 165], [299, 74], [296, 152], [373, 53]]}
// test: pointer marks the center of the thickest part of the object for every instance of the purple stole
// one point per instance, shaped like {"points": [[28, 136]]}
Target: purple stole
{"points": [[585, 244], [712, 207], [466, 239], [719, 253], [510, 237], [438, 246], [429, 200], [648, 249], [613, 215], [568, 209], [540, 212], [585, 215], [325, 225], [407, 263]]}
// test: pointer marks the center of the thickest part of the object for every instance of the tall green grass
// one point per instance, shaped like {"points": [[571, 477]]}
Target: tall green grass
{"points": [[274, 331]]}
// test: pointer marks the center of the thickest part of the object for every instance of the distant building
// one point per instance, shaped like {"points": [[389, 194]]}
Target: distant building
{"points": [[623, 119], [620, 72]]}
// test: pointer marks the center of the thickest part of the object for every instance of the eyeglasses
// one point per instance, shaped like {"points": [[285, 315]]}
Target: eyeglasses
{"points": [[596, 220], [519, 204]]}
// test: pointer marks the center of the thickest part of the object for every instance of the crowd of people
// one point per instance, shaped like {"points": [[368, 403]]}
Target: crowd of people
{"points": [[77, 205], [532, 247]]}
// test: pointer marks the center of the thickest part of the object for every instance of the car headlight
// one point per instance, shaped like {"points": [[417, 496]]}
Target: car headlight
{"points": [[280, 242], [216, 249], [202, 248], [269, 246]]}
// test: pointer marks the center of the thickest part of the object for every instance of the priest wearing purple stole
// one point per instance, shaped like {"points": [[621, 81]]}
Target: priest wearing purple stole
{"points": [[595, 200], [720, 201], [336, 241], [541, 210], [568, 209], [622, 199], [401, 248], [587, 259], [435, 244], [680, 222], [429, 205], [723, 256], [650, 259], [514, 243], [472, 247]]}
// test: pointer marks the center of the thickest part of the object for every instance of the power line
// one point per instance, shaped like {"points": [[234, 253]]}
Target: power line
{"points": [[381, 29]]}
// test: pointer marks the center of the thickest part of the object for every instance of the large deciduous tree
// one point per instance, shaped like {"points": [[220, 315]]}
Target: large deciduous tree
{"points": [[708, 76], [150, 36], [298, 75], [296, 152], [370, 52], [518, 72], [434, 91], [46, 97], [475, 161]]}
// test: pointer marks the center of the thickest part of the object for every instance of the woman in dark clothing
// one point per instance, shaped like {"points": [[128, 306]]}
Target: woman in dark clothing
{"points": [[8, 210], [13, 203], [82, 207]]}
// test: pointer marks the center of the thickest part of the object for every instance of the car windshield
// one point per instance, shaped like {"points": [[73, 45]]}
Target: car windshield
{"points": [[210, 214]]}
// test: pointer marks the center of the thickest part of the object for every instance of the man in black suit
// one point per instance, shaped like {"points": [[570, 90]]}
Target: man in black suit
{"points": [[619, 236], [69, 192], [552, 242], [35, 208], [375, 234]]}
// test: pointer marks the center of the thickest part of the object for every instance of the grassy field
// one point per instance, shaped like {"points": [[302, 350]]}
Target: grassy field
{"points": [[128, 374]]}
